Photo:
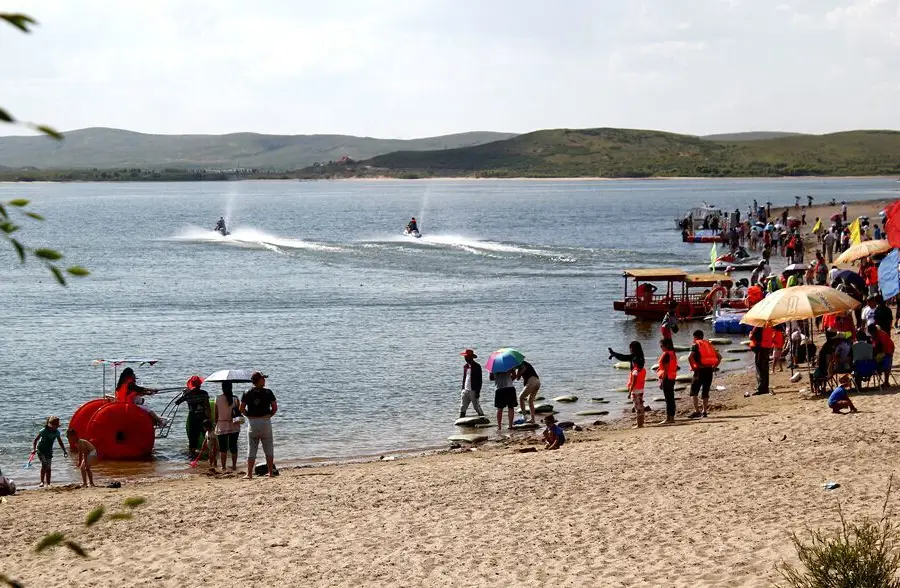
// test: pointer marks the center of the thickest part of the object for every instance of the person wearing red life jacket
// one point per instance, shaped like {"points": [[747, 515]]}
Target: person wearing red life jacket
{"points": [[762, 340], [704, 359], [666, 372]]}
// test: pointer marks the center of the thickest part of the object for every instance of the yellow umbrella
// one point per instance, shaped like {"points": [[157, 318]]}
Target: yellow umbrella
{"points": [[798, 303], [864, 249]]}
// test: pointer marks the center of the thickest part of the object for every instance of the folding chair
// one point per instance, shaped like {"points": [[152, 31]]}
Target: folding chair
{"points": [[864, 371]]}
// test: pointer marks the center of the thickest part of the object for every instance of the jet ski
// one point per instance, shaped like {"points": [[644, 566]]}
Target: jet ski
{"points": [[413, 233], [737, 260], [223, 232]]}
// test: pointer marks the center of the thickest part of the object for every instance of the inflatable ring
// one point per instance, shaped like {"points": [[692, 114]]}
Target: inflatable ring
{"points": [[715, 295], [122, 431], [80, 421]]}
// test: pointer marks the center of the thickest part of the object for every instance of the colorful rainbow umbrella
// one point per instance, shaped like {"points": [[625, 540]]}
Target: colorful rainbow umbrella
{"points": [[504, 360]]}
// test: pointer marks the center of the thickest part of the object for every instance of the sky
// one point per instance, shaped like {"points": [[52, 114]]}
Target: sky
{"points": [[416, 68]]}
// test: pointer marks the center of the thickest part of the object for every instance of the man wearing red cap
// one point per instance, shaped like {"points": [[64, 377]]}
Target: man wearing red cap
{"points": [[471, 384], [198, 411]]}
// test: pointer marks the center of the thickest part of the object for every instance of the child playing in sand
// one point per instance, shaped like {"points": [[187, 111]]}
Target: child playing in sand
{"points": [[553, 434], [840, 399], [210, 443], [87, 456], [43, 447]]}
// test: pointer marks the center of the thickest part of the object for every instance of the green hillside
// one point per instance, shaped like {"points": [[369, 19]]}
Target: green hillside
{"points": [[116, 149], [624, 153], [749, 136]]}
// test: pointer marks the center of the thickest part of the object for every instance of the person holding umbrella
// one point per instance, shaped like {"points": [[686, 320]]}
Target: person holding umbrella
{"points": [[502, 364]]}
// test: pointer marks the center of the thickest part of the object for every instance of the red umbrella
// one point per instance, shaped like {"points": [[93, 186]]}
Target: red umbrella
{"points": [[892, 224], [837, 216]]}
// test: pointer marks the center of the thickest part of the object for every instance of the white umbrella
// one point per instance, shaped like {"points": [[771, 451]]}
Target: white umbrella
{"points": [[230, 376]]}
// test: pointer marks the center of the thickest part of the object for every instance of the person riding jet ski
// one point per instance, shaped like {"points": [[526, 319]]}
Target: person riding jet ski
{"points": [[412, 226], [220, 226]]}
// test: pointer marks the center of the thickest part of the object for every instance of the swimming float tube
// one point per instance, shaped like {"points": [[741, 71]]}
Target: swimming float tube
{"points": [[80, 421], [122, 431]]}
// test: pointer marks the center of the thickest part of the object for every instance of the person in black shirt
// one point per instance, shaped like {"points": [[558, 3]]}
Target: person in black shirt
{"points": [[259, 406], [883, 315], [198, 411]]}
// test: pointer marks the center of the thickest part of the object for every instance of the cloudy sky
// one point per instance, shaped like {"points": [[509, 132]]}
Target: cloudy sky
{"points": [[413, 68]]}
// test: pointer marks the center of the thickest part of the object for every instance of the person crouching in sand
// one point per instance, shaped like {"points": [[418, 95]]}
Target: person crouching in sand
{"points": [[87, 456], [553, 434], [840, 399]]}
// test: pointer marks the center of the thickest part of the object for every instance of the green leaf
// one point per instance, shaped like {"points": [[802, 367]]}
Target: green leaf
{"points": [[19, 249], [8, 227], [120, 516], [78, 271], [57, 274], [34, 215], [48, 254], [5, 116], [20, 202], [49, 541], [48, 131], [3, 211], [20, 21], [10, 582], [94, 516], [77, 549], [135, 501]]}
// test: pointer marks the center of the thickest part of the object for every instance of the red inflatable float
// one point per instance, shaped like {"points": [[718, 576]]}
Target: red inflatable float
{"points": [[122, 431]]}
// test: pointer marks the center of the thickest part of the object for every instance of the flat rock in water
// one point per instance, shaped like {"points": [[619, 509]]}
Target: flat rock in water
{"points": [[596, 399], [731, 359], [591, 412], [567, 398], [622, 365], [738, 350], [720, 341], [471, 421], [746, 342], [684, 378], [677, 347], [541, 408], [599, 401], [526, 426], [537, 398], [565, 424], [471, 438]]}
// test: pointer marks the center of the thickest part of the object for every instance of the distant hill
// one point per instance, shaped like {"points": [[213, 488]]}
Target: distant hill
{"points": [[751, 136], [114, 148], [619, 153]]}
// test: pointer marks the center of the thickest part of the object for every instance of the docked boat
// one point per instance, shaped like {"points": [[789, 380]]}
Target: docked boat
{"points": [[695, 295], [695, 218], [703, 236]]}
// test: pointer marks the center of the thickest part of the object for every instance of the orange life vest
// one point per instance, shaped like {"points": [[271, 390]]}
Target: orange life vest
{"points": [[636, 382], [754, 294], [670, 370], [777, 339], [767, 340], [122, 392], [708, 357]]}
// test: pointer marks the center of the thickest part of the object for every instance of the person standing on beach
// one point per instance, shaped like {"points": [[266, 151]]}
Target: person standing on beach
{"points": [[820, 269], [471, 384], [844, 210], [883, 315], [809, 200], [666, 372], [227, 416], [43, 447], [532, 382], [504, 396], [198, 411], [703, 359], [761, 342], [258, 404], [828, 242], [669, 325], [796, 202]]}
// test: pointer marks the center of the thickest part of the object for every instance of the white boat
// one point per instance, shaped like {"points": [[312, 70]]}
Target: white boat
{"points": [[698, 214]]}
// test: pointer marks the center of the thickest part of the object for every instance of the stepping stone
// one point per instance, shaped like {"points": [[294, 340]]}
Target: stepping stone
{"points": [[622, 365], [471, 438], [471, 421], [745, 342], [681, 347], [541, 408], [684, 378], [537, 398], [738, 350], [731, 359], [526, 426], [720, 341], [591, 412], [567, 398], [597, 399]]}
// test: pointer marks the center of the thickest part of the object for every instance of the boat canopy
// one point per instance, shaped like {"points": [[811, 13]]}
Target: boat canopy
{"points": [[660, 273], [125, 360], [708, 280]]}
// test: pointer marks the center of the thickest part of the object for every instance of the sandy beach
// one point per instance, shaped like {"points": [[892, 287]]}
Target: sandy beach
{"points": [[702, 503]]}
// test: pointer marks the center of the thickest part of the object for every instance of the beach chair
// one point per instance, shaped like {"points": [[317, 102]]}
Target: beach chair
{"points": [[864, 371]]}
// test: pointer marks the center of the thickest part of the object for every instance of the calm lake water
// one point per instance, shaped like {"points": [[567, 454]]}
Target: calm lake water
{"points": [[358, 327]]}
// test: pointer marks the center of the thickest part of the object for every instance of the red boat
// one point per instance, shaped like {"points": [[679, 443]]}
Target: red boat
{"points": [[695, 295]]}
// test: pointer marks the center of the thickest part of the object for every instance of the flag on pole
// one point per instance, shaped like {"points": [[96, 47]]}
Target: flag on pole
{"points": [[855, 232], [712, 257], [817, 227]]}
